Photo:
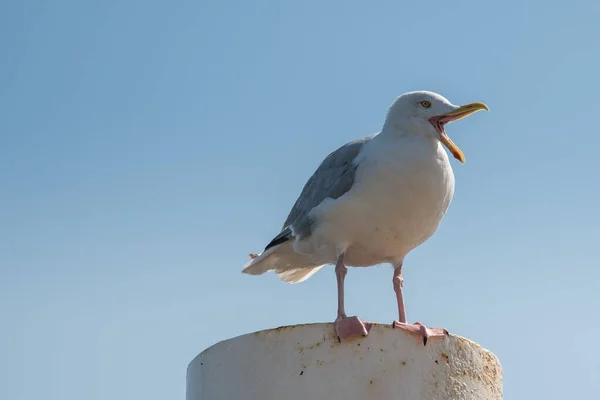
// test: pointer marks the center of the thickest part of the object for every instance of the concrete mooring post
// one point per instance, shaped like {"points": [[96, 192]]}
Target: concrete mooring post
{"points": [[306, 362]]}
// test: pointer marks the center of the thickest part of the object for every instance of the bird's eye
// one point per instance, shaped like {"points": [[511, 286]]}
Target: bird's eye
{"points": [[425, 104]]}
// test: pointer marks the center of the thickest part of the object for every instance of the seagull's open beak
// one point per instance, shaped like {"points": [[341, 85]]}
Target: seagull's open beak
{"points": [[440, 120]]}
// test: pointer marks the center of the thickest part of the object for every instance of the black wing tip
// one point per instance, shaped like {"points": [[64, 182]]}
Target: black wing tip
{"points": [[279, 239], [276, 242]]}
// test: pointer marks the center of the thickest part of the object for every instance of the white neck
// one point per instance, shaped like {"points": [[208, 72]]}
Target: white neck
{"points": [[409, 145]]}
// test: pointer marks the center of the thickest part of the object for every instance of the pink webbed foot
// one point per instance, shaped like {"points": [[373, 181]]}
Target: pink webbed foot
{"points": [[346, 327], [421, 330]]}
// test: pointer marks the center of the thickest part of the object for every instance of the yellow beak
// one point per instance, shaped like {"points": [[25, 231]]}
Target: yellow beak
{"points": [[461, 112]]}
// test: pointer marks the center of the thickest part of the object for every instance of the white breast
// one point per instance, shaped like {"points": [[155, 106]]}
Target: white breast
{"points": [[401, 192]]}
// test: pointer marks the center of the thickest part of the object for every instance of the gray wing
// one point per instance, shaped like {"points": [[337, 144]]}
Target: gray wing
{"points": [[332, 179]]}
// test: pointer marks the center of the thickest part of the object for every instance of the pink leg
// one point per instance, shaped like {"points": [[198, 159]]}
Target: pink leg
{"points": [[346, 326], [416, 328]]}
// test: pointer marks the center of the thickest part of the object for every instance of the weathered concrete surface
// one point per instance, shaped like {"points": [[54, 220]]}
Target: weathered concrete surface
{"points": [[307, 362]]}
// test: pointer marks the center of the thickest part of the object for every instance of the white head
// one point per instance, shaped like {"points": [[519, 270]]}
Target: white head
{"points": [[425, 113]]}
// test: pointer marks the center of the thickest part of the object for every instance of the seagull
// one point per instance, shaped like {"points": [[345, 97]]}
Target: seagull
{"points": [[372, 201]]}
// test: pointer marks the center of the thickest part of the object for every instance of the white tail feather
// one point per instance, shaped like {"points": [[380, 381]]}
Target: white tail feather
{"points": [[290, 266], [298, 275]]}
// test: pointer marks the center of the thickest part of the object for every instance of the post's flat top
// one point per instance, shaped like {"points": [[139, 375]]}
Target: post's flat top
{"points": [[308, 361]]}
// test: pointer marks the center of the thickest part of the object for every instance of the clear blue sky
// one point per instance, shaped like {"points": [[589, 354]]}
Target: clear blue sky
{"points": [[147, 147]]}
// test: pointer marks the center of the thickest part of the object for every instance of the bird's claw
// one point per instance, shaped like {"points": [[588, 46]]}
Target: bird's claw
{"points": [[346, 327], [421, 330]]}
